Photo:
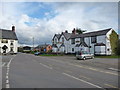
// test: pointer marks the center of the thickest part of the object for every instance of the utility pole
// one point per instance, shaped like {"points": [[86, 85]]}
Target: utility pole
{"points": [[33, 43]]}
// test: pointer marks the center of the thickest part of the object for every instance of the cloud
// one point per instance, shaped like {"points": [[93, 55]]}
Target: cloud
{"points": [[43, 20]]}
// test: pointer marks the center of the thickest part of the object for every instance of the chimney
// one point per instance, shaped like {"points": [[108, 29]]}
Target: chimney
{"points": [[13, 28], [66, 31], [74, 31]]}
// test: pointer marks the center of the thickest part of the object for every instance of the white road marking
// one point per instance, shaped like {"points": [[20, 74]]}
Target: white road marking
{"points": [[3, 64], [85, 67], [7, 86], [114, 69], [7, 81], [81, 80], [46, 66], [8, 68], [6, 76]]}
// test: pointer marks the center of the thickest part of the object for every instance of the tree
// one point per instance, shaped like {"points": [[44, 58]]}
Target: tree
{"points": [[80, 31], [117, 49]]}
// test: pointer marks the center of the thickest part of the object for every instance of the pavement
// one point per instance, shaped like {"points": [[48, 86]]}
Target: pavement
{"points": [[29, 71]]}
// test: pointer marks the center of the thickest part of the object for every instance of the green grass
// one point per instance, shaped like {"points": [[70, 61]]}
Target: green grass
{"points": [[113, 56]]}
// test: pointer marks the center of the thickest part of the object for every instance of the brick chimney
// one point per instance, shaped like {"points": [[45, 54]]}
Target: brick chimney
{"points": [[66, 31], [73, 31], [13, 28]]}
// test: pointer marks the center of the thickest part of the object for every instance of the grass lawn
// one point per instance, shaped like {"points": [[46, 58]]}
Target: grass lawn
{"points": [[113, 56]]}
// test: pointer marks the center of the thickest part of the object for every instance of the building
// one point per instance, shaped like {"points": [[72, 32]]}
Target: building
{"points": [[8, 41], [43, 48], [26, 49], [97, 42]]}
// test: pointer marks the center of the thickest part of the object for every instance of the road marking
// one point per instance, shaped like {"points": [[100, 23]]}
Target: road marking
{"points": [[8, 68], [111, 86], [7, 81], [95, 69], [81, 80], [3, 64], [46, 66], [114, 69], [85, 77], [6, 76], [7, 86]]}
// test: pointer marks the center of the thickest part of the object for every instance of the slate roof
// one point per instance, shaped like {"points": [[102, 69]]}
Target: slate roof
{"points": [[82, 43], [8, 34], [89, 34]]}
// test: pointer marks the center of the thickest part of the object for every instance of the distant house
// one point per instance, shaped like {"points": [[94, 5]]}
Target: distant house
{"points": [[43, 48], [96, 42], [26, 48], [8, 41]]}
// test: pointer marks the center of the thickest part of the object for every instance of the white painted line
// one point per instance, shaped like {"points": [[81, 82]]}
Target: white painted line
{"points": [[114, 69], [7, 86], [46, 66], [81, 80], [7, 81], [6, 76], [3, 64]]}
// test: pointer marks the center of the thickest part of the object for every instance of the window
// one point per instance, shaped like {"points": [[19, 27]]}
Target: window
{"points": [[4, 41], [82, 39], [62, 39], [11, 49], [55, 41], [72, 49], [93, 39], [72, 41]]}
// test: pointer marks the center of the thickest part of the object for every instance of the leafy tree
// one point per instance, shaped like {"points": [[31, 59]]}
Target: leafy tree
{"points": [[80, 31], [117, 49]]}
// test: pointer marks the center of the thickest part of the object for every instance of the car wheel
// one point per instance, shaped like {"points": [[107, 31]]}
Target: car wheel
{"points": [[84, 58], [77, 58]]}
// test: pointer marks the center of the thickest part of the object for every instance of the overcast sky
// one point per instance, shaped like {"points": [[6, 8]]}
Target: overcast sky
{"points": [[42, 20]]}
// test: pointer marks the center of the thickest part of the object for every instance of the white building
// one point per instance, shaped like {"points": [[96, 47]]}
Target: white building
{"points": [[97, 42], [8, 41]]}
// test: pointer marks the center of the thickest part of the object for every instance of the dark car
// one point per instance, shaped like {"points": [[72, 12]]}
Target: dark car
{"points": [[37, 53]]}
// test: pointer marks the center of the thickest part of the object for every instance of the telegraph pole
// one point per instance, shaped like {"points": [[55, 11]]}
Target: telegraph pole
{"points": [[33, 43]]}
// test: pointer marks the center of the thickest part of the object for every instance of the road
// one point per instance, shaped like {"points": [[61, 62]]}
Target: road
{"points": [[29, 71]]}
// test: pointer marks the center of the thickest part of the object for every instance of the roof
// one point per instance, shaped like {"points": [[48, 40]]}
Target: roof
{"points": [[42, 46], [67, 35], [7, 34], [89, 34], [57, 35], [82, 43]]}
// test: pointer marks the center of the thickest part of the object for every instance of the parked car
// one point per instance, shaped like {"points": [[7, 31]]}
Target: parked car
{"points": [[84, 55], [37, 53]]}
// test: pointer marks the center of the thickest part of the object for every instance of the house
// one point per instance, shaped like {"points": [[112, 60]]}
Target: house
{"points": [[43, 48], [8, 41], [26, 48], [96, 42]]}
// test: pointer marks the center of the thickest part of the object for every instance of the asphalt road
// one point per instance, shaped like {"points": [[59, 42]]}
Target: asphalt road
{"points": [[29, 71]]}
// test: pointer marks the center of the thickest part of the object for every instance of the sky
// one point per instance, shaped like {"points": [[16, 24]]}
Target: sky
{"points": [[42, 20]]}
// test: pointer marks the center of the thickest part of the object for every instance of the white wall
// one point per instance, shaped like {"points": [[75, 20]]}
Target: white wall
{"points": [[15, 46]]}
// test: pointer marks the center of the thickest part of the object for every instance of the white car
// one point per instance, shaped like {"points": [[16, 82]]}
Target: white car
{"points": [[84, 55]]}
